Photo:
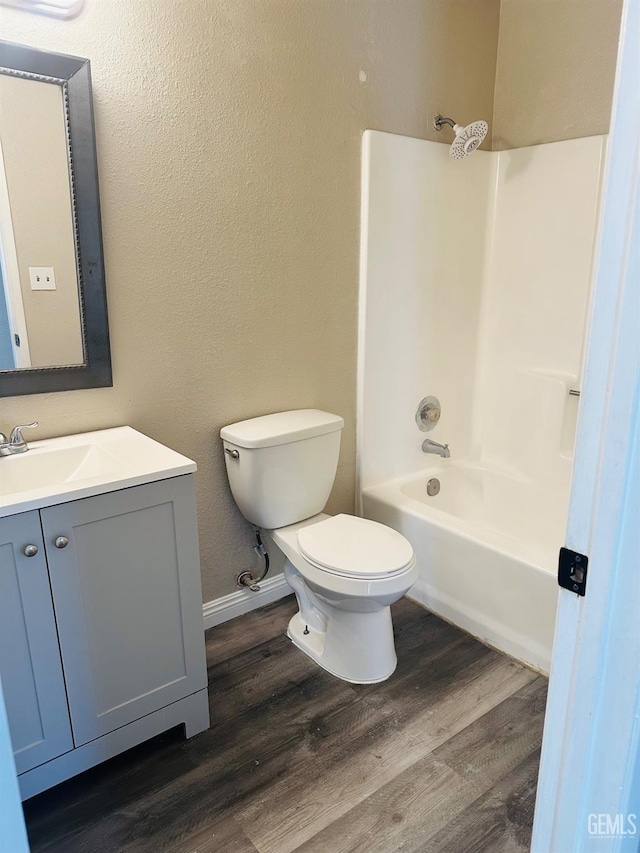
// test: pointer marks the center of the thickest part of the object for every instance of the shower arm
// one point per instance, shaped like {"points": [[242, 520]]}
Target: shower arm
{"points": [[439, 121]]}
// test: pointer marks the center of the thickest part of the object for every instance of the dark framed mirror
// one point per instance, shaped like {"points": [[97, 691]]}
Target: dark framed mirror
{"points": [[54, 333]]}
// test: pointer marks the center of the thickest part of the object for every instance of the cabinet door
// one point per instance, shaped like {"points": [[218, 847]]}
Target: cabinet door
{"points": [[128, 602], [29, 654]]}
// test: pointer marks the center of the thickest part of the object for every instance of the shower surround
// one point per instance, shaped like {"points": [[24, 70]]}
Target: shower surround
{"points": [[475, 280]]}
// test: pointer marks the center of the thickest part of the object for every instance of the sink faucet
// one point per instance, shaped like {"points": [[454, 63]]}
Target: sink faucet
{"points": [[15, 443], [429, 446]]}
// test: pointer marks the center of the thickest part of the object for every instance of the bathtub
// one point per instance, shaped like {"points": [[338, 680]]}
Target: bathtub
{"points": [[487, 549]]}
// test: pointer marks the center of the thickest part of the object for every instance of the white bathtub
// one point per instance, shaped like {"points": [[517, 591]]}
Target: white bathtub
{"points": [[487, 548]]}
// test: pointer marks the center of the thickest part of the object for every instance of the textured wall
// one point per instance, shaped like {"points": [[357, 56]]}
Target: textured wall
{"points": [[229, 155], [555, 70], [34, 149]]}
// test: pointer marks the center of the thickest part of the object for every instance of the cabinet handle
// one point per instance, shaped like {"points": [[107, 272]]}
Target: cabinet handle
{"points": [[61, 542], [30, 550]]}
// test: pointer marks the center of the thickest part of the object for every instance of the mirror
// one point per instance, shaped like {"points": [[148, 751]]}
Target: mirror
{"points": [[53, 316]]}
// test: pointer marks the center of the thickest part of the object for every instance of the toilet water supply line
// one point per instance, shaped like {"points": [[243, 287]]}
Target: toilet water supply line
{"points": [[246, 579]]}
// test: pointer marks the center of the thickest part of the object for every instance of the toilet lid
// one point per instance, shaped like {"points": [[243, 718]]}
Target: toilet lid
{"points": [[355, 547]]}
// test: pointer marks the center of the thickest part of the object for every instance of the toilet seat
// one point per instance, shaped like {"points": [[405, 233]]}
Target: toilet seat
{"points": [[353, 547]]}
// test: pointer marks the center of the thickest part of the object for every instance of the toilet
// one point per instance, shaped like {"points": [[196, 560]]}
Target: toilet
{"points": [[345, 571]]}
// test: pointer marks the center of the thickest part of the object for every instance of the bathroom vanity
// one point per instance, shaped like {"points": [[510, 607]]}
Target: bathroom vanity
{"points": [[101, 632]]}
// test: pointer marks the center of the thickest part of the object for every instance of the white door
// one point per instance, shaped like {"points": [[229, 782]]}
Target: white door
{"points": [[126, 588], [29, 654], [13, 835], [589, 784]]}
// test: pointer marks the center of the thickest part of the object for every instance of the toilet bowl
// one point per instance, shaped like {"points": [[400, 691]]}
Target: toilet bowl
{"points": [[345, 571]]}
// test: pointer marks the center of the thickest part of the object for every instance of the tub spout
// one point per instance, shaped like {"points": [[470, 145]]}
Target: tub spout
{"points": [[429, 446]]}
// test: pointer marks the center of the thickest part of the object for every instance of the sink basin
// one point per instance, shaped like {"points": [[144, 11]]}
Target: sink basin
{"points": [[71, 467], [33, 470]]}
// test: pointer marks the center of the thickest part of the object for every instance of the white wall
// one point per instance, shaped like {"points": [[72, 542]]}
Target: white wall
{"points": [[423, 245], [535, 301], [474, 287]]}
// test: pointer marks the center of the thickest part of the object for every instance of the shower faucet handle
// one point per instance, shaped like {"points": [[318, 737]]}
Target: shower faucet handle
{"points": [[428, 413]]}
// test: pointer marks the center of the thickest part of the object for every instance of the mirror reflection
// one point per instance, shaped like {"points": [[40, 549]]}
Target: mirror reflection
{"points": [[40, 306]]}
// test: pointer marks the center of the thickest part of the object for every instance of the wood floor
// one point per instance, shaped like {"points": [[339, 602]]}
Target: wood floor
{"points": [[442, 757]]}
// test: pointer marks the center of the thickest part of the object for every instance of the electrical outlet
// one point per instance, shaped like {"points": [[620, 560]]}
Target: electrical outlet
{"points": [[42, 278]]}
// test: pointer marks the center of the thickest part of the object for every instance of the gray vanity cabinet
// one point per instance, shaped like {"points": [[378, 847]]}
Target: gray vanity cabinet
{"points": [[30, 665], [101, 631], [126, 590]]}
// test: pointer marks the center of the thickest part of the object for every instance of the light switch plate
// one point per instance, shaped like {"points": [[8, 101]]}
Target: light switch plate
{"points": [[42, 278]]}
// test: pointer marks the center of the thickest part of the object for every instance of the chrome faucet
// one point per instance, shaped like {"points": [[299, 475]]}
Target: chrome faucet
{"points": [[429, 446], [15, 443]]}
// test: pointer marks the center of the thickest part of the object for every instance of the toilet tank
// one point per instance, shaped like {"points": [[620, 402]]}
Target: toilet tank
{"points": [[281, 467]]}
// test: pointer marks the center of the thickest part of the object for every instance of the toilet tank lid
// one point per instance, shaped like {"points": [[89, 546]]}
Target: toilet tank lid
{"points": [[281, 428]]}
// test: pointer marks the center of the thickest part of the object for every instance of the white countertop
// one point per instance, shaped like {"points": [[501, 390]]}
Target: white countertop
{"points": [[58, 470]]}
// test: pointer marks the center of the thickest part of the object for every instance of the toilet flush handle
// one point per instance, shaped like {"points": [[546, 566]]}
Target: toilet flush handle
{"points": [[234, 454]]}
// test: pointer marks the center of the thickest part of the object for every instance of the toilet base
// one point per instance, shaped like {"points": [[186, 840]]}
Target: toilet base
{"points": [[356, 647]]}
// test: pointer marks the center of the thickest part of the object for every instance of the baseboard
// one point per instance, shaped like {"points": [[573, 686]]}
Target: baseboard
{"points": [[243, 601]]}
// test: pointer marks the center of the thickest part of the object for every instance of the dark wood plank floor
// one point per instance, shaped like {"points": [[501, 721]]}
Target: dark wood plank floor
{"points": [[442, 757]]}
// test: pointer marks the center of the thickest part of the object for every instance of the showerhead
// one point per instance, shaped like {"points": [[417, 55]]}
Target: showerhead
{"points": [[467, 138]]}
